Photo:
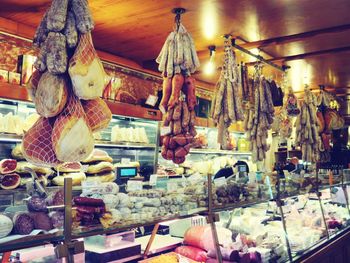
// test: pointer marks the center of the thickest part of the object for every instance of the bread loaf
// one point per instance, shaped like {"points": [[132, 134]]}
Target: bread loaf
{"points": [[98, 155], [102, 177], [100, 167], [77, 178]]}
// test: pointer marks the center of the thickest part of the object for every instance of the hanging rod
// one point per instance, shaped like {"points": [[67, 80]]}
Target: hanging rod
{"points": [[258, 57]]}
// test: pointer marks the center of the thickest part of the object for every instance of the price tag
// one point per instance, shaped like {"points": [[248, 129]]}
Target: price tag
{"points": [[165, 130], [171, 186], [220, 181], [153, 180], [125, 161], [88, 185], [133, 186], [152, 100]]}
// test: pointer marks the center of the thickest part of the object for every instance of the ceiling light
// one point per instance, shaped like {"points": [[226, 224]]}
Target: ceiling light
{"points": [[209, 67], [209, 20]]}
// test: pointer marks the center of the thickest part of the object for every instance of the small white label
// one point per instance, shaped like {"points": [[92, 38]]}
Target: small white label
{"points": [[220, 181], [153, 180], [125, 161], [151, 100], [165, 130], [84, 168], [133, 185]]}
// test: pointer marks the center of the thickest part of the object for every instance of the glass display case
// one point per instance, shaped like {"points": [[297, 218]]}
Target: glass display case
{"points": [[130, 142], [265, 212]]}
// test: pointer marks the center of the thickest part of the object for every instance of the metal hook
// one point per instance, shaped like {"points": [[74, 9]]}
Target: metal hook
{"points": [[178, 11]]}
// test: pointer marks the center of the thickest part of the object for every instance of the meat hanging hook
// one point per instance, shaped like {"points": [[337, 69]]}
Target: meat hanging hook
{"points": [[178, 11]]}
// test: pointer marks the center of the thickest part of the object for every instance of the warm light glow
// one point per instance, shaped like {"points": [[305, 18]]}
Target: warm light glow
{"points": [[255, 51], [209, 67], [209, 20], [300, 75]]}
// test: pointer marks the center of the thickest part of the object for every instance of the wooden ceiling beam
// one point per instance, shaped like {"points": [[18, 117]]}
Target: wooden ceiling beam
{"points": [[295, 37], [282, 39], [307, 55]]}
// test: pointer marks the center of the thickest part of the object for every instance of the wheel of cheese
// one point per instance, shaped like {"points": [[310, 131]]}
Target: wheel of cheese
{"points": [[6, 226]]}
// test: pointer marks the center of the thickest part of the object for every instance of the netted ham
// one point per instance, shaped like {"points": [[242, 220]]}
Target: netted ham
{"points": [[33, 84], [98, 114], [37, 145], [72, 137], [51, 95], [86, 70]]}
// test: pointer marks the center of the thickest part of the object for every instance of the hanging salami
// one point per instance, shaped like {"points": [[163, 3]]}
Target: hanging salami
{"points": [[227, 105], [177, 61]]}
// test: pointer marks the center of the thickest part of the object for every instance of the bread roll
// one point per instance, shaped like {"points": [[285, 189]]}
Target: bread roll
{"points": [[77, 178], [100, 167], [102, 178], [98, 155]]}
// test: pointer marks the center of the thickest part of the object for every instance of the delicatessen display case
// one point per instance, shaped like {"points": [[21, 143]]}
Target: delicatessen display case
{"points": [[252, 214], [161, 154]]}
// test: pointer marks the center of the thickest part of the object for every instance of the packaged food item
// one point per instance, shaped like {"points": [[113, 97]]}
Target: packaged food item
{"points": [[4, 76], [14, 78], [25, 66]]}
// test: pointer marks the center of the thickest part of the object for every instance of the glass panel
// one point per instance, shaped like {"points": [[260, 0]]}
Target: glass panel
{"points": [[130, 130], [254, 229], [137, 204]]}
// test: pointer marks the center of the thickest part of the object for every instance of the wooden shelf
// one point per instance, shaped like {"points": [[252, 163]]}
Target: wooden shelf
{"points": [[20, 93]]}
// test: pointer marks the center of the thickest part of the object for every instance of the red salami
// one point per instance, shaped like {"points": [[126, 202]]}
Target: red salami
{"points": [[7, 166]]}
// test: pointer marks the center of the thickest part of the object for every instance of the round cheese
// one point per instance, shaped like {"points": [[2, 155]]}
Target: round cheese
{"points": [[6, 226]]}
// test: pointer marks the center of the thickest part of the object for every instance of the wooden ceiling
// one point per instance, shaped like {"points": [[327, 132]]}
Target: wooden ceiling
{"points": [[136, 29]]}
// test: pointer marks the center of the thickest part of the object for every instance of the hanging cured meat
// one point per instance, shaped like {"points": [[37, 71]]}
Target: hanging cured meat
{"points": [[51, 95], [64, 132], [86, 70], [72, 137], [227, 105], [37, 144], [307, 129], [177, 60], [259, 117], [97, 113]]}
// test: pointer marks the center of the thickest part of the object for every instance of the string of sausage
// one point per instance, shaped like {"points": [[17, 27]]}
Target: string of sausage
{"points": [[227, 103]]}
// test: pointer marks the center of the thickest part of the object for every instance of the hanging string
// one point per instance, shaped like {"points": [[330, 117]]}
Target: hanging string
{"points": [[177, 21]]}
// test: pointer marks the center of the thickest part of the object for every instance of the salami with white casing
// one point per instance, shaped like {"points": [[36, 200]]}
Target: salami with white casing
{"points": [[228, 96], [177, 60], [306, 129]]}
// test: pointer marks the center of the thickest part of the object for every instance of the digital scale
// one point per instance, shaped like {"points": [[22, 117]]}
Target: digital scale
{"points": [[124, 173]]}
